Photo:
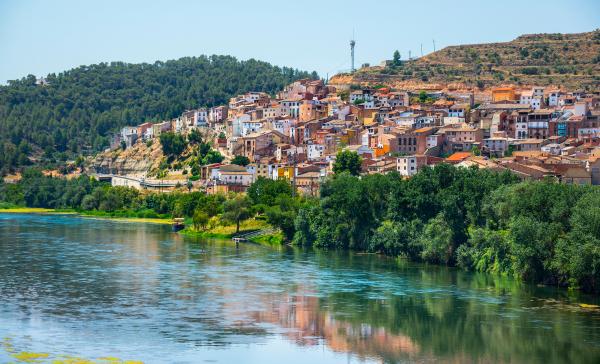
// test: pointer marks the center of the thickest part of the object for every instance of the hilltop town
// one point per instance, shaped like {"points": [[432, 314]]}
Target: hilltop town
{"points": [[535, 132]]}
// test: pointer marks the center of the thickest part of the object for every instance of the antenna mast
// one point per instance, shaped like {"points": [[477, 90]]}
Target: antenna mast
{"points": [[352, 43], [433, 45]]}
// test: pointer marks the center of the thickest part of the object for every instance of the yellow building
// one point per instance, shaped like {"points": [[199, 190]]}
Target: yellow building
{"points": [[285, 173]]}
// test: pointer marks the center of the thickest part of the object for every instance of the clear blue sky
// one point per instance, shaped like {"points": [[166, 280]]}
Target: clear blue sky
{"points": [[40, 37]]}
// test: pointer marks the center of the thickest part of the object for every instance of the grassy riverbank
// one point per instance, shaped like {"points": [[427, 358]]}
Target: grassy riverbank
{"points": [[33, 210], [87, 214], [225, 231]]}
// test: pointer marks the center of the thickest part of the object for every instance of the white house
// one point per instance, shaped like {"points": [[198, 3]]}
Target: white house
{"points": [[252, 126], [314, 151], [290, 107], [407, 165], [553, 98]]}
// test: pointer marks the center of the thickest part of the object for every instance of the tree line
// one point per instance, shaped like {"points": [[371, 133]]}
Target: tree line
{"points": [[480, 220], [76, 111], [540, 232]]}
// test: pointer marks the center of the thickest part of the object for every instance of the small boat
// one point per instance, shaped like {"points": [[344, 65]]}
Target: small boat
{"points": [[178, 224]]}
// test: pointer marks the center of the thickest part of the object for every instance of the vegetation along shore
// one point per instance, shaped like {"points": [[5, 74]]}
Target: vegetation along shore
{"points": [[539, 232]]}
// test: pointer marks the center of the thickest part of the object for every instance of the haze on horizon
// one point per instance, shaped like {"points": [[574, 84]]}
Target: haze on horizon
{"points": [[40, 37]]}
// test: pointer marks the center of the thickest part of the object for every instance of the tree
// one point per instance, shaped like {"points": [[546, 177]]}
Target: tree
{"points": [[172, 143], [195, 137], [347, 161], [265, 191], [212, 157], [423, 97], [396, 62], [236, 210], [200, 219], [437, 241], [76, 110], [476, 151], [240, 160]]}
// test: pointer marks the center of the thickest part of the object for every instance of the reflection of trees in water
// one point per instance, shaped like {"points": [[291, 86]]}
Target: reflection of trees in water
{"points": [[210, 293]]}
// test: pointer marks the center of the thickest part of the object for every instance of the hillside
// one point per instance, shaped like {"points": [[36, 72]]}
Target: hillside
{"points": [[571, 61], [76, 111]]}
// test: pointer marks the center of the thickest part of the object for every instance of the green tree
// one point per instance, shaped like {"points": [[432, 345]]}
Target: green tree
{"points": [[265, 191], [437, 241], [236, 210], [240, 160], [347, 161], [396, 62], [172, 143], [195, 137], [76, 109], [200, 219]]}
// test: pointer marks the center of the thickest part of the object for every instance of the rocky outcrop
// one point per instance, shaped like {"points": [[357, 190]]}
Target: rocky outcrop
{"points": [[135, 161]]}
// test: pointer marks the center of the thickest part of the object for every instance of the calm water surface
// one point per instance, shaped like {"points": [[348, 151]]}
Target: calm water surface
{"points": [[91, 289]]}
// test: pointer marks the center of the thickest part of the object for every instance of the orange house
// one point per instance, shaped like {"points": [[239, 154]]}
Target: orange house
{"points": [[503, 94]]}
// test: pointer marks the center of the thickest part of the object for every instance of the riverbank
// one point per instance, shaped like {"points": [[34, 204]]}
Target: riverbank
{"points": [[87, 215], [34, 210], [228, 232]]}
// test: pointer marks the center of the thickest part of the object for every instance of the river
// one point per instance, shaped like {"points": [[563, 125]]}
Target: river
{"points": [[74, 287]]}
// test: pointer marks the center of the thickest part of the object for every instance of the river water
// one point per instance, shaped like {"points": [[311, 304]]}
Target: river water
{"points": [[74, 287]]}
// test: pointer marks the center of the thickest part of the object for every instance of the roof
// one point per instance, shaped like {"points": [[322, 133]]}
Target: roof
{"points": [[458, 156], [232, 168], [309, 175]]}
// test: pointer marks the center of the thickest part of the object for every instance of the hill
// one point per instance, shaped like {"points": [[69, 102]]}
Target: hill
{"points": [[76, 111], [570, 61]]}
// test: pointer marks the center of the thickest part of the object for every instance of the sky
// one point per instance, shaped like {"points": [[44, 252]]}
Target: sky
{"points": [[40, 37]]}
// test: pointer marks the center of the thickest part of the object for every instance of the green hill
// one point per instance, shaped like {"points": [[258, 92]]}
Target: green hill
{"points": [[77, 110]]}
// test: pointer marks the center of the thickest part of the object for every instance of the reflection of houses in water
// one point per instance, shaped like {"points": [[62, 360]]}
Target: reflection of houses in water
{"points": [[309, 324]]}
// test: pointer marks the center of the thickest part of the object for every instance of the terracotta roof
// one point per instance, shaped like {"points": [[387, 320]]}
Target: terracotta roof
{"points": [[458, 156]]}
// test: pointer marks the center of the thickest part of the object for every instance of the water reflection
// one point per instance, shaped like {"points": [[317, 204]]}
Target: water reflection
{"points": [[143, 292]]}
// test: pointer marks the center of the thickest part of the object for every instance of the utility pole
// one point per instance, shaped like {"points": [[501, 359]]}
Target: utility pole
{"points": [[433, 45], [421, 49], [409, 57], [352, 44]]}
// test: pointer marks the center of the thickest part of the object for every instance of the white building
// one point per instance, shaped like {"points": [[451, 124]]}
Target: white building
{"points": [[252, 126], [290, 107], [315, 151], [407, 165], [553, 98]]}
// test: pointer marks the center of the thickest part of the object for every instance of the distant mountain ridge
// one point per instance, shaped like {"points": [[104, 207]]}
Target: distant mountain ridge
{"points": [[570, 61], [77, 110]]}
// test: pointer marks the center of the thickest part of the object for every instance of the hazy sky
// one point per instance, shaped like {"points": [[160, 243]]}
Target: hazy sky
{"points": [[40, 37]]}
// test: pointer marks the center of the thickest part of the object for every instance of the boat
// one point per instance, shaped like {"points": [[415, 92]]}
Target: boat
{"points": [[178, 224]]}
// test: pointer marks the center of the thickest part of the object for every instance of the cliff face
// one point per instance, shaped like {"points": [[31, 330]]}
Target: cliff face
{"points": [[571, 61], [137, 160]]}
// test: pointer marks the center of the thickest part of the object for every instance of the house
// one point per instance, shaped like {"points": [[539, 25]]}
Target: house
{"points": [[233, 174], [217, 114], [458, 110], [142, 130], [496, 146], [309, 182], [500, 94], [290, 107], [458, 157], [314, 151], [537, 124], [576, 175], [129, 135], [160, 128], [460, 137], [407, 165]]}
